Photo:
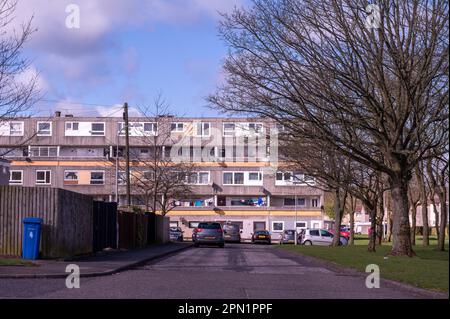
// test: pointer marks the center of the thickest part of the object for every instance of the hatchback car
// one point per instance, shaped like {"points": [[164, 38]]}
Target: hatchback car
{"points": [[176, 234], [208, 233], [261, 236], [232, 233], [321, 237], [287, 237]]}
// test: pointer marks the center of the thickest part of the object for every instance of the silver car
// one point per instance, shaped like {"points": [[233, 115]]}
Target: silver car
{"points": [[208, 233], [320, 237], [232, 233]]}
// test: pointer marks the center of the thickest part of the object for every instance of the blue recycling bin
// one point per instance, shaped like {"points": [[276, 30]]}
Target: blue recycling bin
{"points": [[31, 237]]}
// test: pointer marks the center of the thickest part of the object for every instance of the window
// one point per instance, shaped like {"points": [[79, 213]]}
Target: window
{"points": [[277, 226], [16, 128], [150, 128], [43, 177], [238, 178], [255, 127], [228, 178], [72, 126], [325, 233], [314, 232], [177, 127], [301, 224], [200, 178], [203, 178], [97, 178], [193, 224], [15, 177], [44, 128], [98, 129], [71, 177], [121, 178], [254, 176], [202, 129], [289, 202], [315, 202], [229, 129], [45, 151]]}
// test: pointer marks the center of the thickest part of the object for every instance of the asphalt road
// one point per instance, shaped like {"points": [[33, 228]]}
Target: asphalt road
{"points": [[236, 271]]}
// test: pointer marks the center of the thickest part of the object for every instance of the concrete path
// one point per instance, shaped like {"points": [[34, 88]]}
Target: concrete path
{"points": [[101, 264]]}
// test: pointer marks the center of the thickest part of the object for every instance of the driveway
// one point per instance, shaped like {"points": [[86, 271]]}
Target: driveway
{"points": [[236, 271]]}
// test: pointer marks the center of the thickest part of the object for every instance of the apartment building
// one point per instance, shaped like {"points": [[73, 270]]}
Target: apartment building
{"points": [[239, 177]]}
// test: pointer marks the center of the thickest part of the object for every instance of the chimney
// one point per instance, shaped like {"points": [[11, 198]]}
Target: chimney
{"points": [[58, 114], [68, 115]]}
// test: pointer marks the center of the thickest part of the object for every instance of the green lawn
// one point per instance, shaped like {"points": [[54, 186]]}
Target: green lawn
{"points": [[429, 269], [15, 262]]}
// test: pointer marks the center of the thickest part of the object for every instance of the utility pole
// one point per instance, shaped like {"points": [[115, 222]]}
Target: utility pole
{"points": [[127, 152]]}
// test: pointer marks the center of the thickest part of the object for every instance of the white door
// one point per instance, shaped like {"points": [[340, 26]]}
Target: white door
{"points": [[314, 237]]}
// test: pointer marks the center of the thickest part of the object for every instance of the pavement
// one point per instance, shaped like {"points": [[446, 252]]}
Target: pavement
{"points": [[100, 264], [238, 271]]}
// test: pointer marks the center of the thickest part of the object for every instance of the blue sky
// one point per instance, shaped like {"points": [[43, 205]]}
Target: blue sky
{"points": [[126, 51]]}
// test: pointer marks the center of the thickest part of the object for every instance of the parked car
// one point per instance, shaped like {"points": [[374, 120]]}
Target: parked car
{"points": [[287, 236], [261, 236], [176, 234], [208, 233], [344, 232], [232, 233], [318, 237]]}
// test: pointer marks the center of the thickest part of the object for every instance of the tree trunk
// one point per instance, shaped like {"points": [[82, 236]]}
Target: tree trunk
{"points": [[337, 207], [424, 205], [436, 215], [401, 231], [389, 228], [379, 220], [373, 224], [413, 223], [443, 225], [352, 228]]}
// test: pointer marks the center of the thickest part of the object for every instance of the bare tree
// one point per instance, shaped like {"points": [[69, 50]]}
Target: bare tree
{"points": [[156, 178], [367, 90], [16, 95]]}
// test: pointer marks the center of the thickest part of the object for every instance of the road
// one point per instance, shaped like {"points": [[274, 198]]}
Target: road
{"points": [[236, 271]]}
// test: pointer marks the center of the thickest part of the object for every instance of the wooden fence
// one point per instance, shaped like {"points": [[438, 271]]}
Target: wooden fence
{"points": [[67, 228]]}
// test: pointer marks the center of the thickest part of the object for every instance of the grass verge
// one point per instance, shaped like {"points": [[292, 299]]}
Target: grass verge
{"points": [[429, 269], [15, 262]]}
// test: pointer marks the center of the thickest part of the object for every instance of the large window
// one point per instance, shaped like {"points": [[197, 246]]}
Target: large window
{"points": [[16, 177], [72, 126], [229, 129], [202, 129], [233, 178], [44, 128], [293, 178], [43, 151], [98, 129], [242, 178], [198, 178], [16, 128], [71, 177], [43, 177], [177, 127], [290, 201], [97, 178]]}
